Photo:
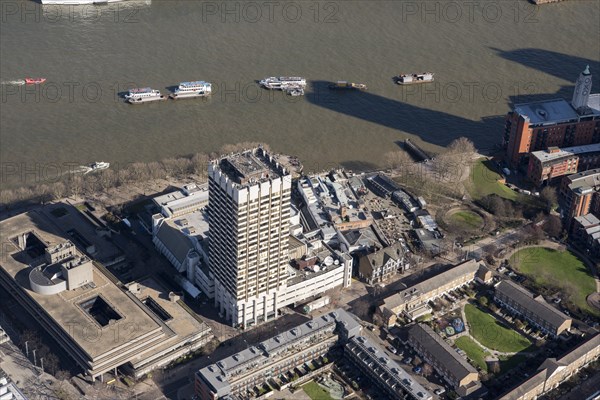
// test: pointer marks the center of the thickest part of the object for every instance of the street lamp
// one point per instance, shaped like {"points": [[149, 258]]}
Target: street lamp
{"points": [[34, 359]]}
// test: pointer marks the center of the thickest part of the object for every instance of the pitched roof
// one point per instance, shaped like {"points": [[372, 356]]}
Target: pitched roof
{"points": [[536, 305], [441, 351], [381, 257]]}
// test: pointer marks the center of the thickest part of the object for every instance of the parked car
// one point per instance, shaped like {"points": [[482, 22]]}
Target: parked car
{"points": [[392, 349], [407, 360], [417, 370], [439, 391]]}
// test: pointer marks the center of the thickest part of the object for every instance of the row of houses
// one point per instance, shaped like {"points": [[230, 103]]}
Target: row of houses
{"points": [[385, 373], [237, 375], [413, 301], [444, 359], [555, 371], [533, 308]]}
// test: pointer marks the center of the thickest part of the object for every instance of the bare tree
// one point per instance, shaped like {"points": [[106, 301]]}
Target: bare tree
{"points": [[550, 198]]}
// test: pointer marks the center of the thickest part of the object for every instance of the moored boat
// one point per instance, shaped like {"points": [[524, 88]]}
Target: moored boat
{"points": [[283, 82], [192, 89], [144, 95], [411, 79], [347, 85]]}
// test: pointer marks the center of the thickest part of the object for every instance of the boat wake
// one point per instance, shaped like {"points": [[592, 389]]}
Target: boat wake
{"points": [[18, 82]]}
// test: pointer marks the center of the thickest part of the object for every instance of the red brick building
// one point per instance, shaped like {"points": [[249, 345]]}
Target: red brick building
{"points": [[580, 195], [547, 164], [553, 123]]}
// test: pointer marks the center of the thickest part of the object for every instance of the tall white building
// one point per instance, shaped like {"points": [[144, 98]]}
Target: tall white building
{"points": [[583, 88], [249, 217]]}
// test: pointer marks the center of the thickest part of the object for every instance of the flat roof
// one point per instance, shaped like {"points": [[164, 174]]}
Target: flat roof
{"points": [[64, 308], [587, 220], [390, 372], [218, 374], [585, 180], [545, 156], [594, 103], [547, 111], [251, 166]]}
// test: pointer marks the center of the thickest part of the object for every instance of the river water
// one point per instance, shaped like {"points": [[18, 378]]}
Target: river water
{"points": [[485, 54]]}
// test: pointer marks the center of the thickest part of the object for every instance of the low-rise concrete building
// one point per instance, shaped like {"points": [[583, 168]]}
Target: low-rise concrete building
{"points": [[99, 323], [554, 371], [444, 359], [383, 264], [384, 372], [236, 376], [534, 309], [412, 301]]}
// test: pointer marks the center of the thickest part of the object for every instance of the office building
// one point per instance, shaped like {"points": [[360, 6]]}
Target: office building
{"points": [[249, 216], [101, 324]]}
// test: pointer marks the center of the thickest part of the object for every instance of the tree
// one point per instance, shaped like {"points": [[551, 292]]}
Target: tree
{"points": [[462, 145], [483, 301], [553, 226], [549, 197], [397, 159], [417, 361]]}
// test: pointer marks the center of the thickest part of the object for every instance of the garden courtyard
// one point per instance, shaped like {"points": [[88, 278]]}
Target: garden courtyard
{"points": [[560, 270]]}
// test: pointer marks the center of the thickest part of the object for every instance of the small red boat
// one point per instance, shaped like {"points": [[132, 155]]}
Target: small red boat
{"points": [[34, 81]]}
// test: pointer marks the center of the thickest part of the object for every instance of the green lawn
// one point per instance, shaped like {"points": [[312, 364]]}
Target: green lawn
{"points": [[473, 350], [560, 269], [316, 392], [467, 220], [484, 181], [491, 333]]}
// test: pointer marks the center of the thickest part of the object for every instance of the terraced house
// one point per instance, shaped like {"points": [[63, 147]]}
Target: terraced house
{"points": [[444, 359], [554, 371], [534, 309]]}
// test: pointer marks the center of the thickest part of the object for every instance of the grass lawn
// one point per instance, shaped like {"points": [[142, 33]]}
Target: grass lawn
{"points": [[491, 333], [316, 392], [560, 269], [484, 181], [467, 220], [473, 350]]}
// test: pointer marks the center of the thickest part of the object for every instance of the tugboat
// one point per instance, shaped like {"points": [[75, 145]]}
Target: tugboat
{"points": [[411, 79], [144, 95], [347, 85], [34, 81], [192, 89]]}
